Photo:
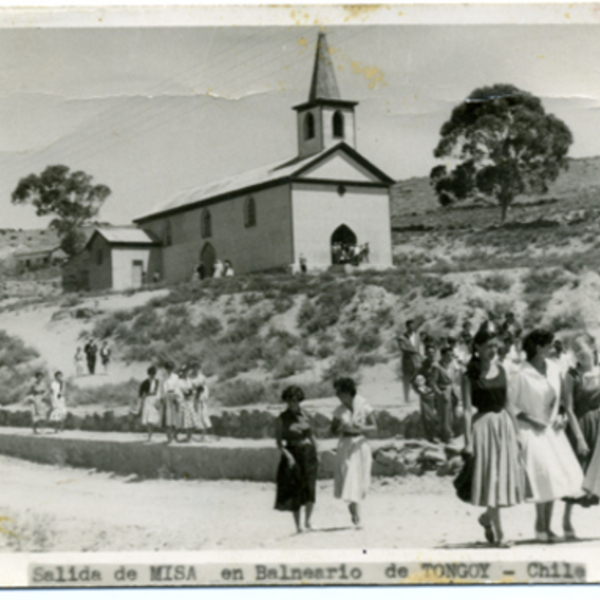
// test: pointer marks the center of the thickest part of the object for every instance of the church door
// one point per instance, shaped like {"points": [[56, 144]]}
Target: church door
{"points": [[343, 245], [208, 256]]}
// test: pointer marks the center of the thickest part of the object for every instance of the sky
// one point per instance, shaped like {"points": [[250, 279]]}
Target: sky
{"points": [[153, 111]]}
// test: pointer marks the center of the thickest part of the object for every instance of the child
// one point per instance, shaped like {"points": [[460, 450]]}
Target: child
{"points": [[37, 397], [200, 399], [58, 412], [105, 356], [79, 362]]}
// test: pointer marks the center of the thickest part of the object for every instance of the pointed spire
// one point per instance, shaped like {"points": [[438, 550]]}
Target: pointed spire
{"points": [[324, 85]]}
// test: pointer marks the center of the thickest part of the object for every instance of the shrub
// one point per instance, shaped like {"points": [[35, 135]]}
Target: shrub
{"points": [[290, 364], [70, 300], [495, 283], [343, 365], [436, 287], [369, 340], [109, 394], [317, 389], [544, 281], [244, 392], [243, 328], [209, 327], [569, 320]]}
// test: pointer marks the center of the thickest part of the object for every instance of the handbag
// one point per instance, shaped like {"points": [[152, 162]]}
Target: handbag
{"points": [[463, 483]]}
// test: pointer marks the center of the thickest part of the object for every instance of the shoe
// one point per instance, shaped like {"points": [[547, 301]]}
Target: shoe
{"points": [[542, 536], [489, 532], [503, 545], [570, 535]]}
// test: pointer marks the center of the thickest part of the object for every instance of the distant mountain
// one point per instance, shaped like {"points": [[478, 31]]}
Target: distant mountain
{"points": [[415, 196]]}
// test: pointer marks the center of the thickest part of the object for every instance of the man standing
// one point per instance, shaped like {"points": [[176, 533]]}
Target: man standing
{"points": [[411, 358], [91, 350]]}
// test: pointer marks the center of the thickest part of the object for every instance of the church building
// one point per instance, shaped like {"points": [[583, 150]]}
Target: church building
{"points": [[327, 205]]}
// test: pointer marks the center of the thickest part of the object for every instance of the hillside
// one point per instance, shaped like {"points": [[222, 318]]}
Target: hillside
{"points": [[414, 203]]}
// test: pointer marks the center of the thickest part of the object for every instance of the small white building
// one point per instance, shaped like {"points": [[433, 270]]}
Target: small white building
{"points": [[327, 205]]}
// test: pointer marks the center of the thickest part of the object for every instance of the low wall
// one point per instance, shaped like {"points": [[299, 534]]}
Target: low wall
{"points": [[249, 460]]}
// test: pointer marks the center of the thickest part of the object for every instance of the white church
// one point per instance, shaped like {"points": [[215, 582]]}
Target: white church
{"points": [[327, 205]]}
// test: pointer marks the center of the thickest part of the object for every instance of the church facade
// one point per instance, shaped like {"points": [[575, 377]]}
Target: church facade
{"points": [[327, 205]]}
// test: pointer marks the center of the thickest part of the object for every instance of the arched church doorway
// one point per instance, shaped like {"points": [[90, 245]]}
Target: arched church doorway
{"points": [[208, 257], [343, 245]]}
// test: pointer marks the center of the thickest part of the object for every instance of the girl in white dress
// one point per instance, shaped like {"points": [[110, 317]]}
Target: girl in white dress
{"points": [[353, 460], [150, 397], [58, 411], [200, 399], [552, 469], [172, 398]]}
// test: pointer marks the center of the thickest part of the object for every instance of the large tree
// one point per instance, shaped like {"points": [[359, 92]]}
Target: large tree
{"points": [[70, 196], [499, 143]]}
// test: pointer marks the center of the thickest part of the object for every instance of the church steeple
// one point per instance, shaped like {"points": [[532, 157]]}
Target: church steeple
{"points": [[324, 84], [325, 120]]}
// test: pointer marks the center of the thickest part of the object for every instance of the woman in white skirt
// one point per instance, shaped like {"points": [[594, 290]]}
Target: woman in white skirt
{"points": [[58, 411], [352, 420], [553, 471], [150, 398], [200, 399]]}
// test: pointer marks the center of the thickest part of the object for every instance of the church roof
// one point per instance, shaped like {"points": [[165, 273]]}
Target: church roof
{"points": [[324, 84], [123, 235], [255, 179]]}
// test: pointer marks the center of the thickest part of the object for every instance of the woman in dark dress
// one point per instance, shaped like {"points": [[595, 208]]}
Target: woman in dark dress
{"points": [[491, 436], [582, 408], [297, 473]]}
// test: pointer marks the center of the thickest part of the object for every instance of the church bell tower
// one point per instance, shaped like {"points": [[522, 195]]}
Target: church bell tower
{"points": [[325, 120]]}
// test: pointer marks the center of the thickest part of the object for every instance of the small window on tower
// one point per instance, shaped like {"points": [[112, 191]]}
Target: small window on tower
{"points": [[168, 234], [250, 212], [309, 127], [338, 124]]}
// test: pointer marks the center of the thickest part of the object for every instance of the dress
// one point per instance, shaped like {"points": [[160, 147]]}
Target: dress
{"points": [[37, 397], [353, 459], [423, 385], [411, 358], [553, 471], [58, 411], [149, 394], [200, 395], [296, 486], [186, 406], [172, 397], [442, 380], [498, 476], [586, 405]]}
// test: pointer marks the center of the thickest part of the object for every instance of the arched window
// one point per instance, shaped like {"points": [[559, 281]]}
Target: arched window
{"points": [[205, 224], [168, 234], [309, 127], [250, 212], [338, 124]]}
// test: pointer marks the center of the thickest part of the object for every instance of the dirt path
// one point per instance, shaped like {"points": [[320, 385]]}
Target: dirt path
{"points": [[63, 509]]}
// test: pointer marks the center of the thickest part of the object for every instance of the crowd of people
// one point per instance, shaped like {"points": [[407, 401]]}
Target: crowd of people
{"points": [[219, 269], [349, 254]]}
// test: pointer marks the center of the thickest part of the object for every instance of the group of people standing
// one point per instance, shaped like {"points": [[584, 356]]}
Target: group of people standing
{"points": [[219, 269], [178, 402], [87, 357], [47, 402], [352, 420], [534, 435]]}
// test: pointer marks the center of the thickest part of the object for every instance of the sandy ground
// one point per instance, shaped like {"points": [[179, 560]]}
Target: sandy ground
{"points": [[64, 509]]}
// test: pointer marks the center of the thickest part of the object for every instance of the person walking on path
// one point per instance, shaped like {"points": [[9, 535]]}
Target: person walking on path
{"points": [[149, 395], [553, 471], [298, 467], [91, 350], [582, 408], [105, 356], [491, 436], [200, 400], [172, 399], [58, 410], [408, 343], [79, 362], [38, 399], [424, 385], [351, 421]]}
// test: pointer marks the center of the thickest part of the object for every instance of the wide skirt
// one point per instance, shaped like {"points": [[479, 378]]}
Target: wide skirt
{"points": [[58, 412], [589, 424], [201, 415], [498, 475], [151, 411], [39, 409], [187, 418], [296, 486], [590, 427], [171, 415], [553, 471], [352, 475]]}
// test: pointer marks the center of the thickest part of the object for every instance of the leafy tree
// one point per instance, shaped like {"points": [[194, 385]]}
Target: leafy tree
{"points": [[70, 196], [499, 143]]}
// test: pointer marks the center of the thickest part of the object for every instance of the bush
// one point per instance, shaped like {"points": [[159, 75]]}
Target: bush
{"points": [[544, 281], [110, 394], [209, 327], [569, 320], [369, 340], [495, 283], [290, 364], [244, 392], [436, 287], [343, 365]]}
